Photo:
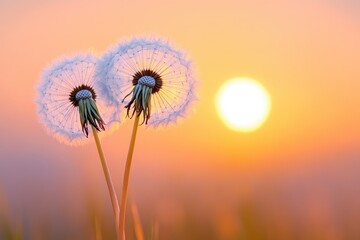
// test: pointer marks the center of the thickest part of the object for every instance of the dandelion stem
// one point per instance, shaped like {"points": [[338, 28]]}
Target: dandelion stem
{"points": [[126, 178], [114, 200]]}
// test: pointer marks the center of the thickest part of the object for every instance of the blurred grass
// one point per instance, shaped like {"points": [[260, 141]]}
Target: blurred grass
{"points": [[254, 218], [8, 230]]}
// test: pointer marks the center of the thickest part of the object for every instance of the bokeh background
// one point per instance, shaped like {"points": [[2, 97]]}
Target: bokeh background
{"points": [[297, 177]]}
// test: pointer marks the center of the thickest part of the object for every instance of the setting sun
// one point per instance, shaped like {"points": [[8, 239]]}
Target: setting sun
{"points": [[243, 104]]}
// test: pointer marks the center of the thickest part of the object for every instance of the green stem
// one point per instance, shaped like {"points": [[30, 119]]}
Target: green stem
{"points": [[114, 200], [126, 179]]}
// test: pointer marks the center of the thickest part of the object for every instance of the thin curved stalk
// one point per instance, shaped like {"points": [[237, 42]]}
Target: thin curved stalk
{"points": [[126, 179], [114, 200]]}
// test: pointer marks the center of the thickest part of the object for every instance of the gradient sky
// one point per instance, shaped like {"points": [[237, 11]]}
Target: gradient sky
{"points": [[305, 53]]}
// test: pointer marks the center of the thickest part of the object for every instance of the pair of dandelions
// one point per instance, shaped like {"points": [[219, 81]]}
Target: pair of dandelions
{"points": [[150, 79]]}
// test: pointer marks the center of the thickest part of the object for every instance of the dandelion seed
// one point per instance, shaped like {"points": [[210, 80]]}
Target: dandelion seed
{"points": [[154, 81], [68, 101], [150, 78]]}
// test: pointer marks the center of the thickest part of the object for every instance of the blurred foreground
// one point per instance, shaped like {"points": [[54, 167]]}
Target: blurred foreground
{"points": [[321, 202]]}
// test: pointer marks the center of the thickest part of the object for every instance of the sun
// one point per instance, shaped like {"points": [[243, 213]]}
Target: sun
{"points": [[243, 104]]}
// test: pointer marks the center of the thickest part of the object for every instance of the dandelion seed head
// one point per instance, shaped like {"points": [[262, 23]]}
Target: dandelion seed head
{"points": [[147, 81], [83, 94], [63, 85], [147, 75]]}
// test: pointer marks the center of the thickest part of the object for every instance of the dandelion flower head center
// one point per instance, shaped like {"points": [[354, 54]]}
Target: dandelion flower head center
{"points": [[83, 94], [147, 81], [148, 78], [83, 97]]}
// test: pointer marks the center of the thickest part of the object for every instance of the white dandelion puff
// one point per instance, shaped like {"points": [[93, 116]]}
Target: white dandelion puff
{"points": [[149, 78], [68, 102]]}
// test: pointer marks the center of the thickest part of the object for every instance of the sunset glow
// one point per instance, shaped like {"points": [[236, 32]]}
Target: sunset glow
{"points": [[271, 157]]}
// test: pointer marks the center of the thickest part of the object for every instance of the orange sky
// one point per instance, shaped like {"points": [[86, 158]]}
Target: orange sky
{"points": [[305, 53]]}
